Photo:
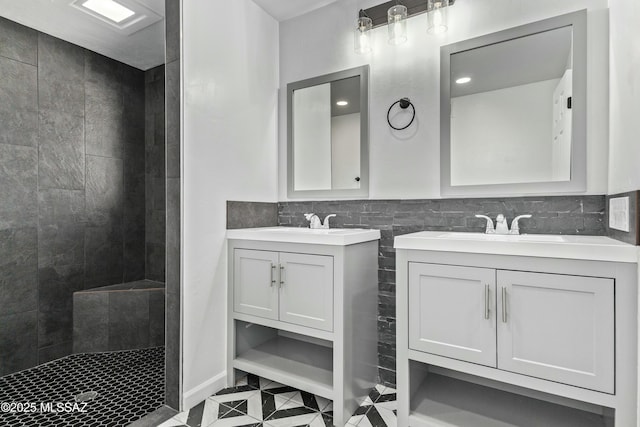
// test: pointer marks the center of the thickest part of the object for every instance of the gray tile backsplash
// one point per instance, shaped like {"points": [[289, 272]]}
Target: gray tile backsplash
{"points": [[72, 186], [251, 214], [553, 215]]}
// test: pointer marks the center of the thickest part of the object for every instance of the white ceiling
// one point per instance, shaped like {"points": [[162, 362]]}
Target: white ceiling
{"points": [[282, 10], [143, 49]]}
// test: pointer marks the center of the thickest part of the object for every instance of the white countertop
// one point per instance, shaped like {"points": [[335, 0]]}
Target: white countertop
{"points": [[330, 236], [594, 248]]}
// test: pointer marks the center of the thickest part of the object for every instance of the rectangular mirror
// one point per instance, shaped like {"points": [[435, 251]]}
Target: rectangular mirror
{"points": [[513, 107], [327, 135]]}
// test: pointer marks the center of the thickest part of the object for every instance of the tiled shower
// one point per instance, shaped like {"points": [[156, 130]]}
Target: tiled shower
{"points": [[82, 187]]}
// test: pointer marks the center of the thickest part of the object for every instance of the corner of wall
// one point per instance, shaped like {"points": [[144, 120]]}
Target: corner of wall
{"points": [[202, 391]]}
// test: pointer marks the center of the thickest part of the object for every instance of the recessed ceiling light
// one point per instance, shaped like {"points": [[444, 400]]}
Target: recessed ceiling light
{"points": [[109, 9], [463, 80], [342, 103]]}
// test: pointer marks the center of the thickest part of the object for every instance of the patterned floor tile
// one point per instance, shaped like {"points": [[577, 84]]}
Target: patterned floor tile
{"points": [[378, 409], [233, 405], [389, 417], [179, 420], [304, 420], [355, 420], [258, 402]]}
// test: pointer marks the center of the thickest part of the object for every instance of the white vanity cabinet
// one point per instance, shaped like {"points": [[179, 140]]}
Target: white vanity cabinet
{"points": [[255, 287], [302, 310], [290, 287], [516, 332], [551, 326], [452, 312], [557, 327]]}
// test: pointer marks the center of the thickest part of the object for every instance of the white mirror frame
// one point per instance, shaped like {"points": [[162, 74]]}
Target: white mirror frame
{"points": [[363, 191], [578, 181]]}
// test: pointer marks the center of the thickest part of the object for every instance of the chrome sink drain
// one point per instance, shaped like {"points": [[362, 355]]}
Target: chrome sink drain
{"points": [[86, 396]]}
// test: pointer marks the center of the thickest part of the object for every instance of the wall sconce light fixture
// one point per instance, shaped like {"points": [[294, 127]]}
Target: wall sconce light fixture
{"points": [[397, 20], [363, 33], [395, 15], [437, 16]]}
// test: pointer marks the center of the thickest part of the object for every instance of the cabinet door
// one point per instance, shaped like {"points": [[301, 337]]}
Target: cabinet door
{"points": [[255, 287], [306, 292], [452, 312], [557, 327]]}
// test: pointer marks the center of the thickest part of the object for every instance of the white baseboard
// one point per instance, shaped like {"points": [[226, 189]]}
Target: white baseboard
{"points": [[200, 392]]}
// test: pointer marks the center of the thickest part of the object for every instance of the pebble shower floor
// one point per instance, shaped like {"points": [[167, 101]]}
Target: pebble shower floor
{"points": [[129, 385]]}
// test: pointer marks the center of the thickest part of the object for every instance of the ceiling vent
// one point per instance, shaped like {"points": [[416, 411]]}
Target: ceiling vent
{"points": [[124, 16]]}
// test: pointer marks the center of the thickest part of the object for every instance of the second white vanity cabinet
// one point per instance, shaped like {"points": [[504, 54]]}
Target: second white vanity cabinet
{"points": [[516, 330], [451, 312], [557, 327], [552, 326], [290, 287]]}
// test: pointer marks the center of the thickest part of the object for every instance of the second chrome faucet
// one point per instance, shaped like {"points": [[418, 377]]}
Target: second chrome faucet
{"points": [[501, 224], [314, 220]]}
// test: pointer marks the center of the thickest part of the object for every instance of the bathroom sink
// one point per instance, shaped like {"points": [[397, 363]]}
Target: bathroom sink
{"points": [[307, 231], [504, 237], [596, 248], [322, 236]]}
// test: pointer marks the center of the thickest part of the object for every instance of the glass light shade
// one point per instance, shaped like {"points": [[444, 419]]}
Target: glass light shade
{"points": [[397, 20], [363, 35], [437, 11]]}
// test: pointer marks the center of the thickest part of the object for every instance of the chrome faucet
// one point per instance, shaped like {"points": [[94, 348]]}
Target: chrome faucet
{"points": [[489, 229], [314, 220], [501, 224], [515, 228]]}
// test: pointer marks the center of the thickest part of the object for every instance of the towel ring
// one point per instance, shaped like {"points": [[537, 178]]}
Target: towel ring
{"points": [[404, 104]]}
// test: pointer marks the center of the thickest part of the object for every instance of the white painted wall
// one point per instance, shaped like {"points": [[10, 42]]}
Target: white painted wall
{"points": [[503, 135], [230, 81], [312, 137], [407, 164], [624, 161], [345, 151]]}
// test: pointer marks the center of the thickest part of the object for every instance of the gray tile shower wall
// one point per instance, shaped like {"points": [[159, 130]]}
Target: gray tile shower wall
{"points": [[554, 215], [119, 317], [155, 174], [72, 163], [633, 235], [172, 84]]}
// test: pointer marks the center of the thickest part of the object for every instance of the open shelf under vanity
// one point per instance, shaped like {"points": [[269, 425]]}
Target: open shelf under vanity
{"points": [[443, 401], [298, 363]]}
